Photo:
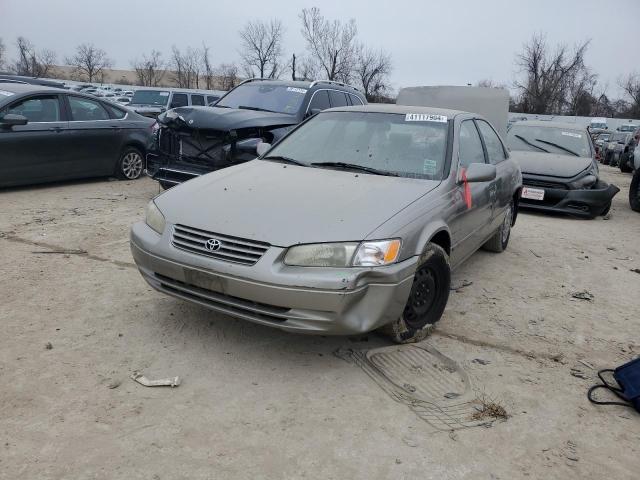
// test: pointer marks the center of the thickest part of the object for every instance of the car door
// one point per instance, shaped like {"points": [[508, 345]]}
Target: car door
{"points": [[38, 150], [94, 137], [499, 190], [472, 200]]}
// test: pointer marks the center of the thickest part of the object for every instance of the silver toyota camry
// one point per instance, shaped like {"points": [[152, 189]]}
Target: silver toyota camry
{"points": [[350, 223]]}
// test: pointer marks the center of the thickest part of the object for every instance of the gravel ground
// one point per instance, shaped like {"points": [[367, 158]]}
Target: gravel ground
{"points": [[259, 403]]}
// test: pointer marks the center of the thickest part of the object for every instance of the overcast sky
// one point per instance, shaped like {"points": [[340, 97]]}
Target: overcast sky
{"points": [[450, 42]]}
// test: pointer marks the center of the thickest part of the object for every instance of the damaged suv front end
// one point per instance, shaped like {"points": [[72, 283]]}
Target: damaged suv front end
{"points": [[192, 141]]}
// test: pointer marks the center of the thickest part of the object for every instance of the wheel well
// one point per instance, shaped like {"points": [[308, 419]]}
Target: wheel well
{"points": [[442, 239], [516, 202], [137, 145]]}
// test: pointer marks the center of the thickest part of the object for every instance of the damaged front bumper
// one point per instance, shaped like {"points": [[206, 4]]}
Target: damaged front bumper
{"points": [[582, 203], [329, 301]]}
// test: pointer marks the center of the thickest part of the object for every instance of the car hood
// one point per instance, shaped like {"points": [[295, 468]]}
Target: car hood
{"points": [[551, 164], [287, 204], [216, 118]]}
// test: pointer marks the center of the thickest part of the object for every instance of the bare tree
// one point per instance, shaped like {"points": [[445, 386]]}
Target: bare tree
{"points": [[207, 69], [89, 63], [2, 53], [32, 62], [490, 83], [548, 77], [228, 73], [331, 44], [372, 69], [186, 67], [631, 87], [262, 48], [150, 70]]}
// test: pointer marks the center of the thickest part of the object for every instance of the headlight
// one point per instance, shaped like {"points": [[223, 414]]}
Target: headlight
{"points": [[154, 217], [365, 254], [586, 181], [321, 255]]}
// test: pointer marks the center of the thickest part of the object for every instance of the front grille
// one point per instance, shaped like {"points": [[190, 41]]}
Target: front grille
{"points": [[230, 249], [222, 302], [200, 148], [528, 182]]}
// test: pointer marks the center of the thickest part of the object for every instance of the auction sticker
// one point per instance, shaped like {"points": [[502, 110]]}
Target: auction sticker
{"points": [[532, 193], [424, 117], [571, 134], [164, 94], [296, 90], [5, 93], [429, 167]]}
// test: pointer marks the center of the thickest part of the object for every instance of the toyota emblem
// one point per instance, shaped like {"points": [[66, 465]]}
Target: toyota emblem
{"points": [[212, 244]]}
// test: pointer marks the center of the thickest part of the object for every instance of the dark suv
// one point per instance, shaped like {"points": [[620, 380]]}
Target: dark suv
{"points": [[192, 141]]}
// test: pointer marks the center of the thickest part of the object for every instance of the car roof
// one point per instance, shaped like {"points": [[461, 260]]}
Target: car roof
{"points": [[19, 88], [542, 123], [401, 109]]}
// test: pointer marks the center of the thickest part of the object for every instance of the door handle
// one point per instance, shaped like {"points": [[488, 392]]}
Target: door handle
{"points": [[55, 129]]}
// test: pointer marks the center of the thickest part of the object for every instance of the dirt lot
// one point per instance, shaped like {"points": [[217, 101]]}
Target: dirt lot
{"points": [[258, 403]]}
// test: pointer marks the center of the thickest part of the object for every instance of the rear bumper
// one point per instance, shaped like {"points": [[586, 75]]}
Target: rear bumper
{"points": [[586, 203], [311, 300]]}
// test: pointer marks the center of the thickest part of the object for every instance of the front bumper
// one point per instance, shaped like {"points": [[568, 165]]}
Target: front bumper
{"points": [[584, 203], [328, 301]]}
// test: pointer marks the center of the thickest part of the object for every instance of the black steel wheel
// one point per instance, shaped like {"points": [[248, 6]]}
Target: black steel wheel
{"points": [[427, 299]]}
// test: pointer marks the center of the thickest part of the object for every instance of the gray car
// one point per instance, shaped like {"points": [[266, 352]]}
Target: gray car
{"points": [[350, 223]]}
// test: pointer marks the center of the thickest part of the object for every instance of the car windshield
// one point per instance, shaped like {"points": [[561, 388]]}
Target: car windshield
{"points": [[628, 128], [619, 137], [387, 143], [270, 98], [150, 97], [551, 139]]}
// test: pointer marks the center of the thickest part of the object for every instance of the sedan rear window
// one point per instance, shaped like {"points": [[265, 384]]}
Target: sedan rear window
{"points": [[389, 143], [150, 97]]}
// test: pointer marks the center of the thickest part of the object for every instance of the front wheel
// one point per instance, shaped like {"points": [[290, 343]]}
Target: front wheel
{"points": [[131, 164], [624, 163], [634, 192], [427, 299]]}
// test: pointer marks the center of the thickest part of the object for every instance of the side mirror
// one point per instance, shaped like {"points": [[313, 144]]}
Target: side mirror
{"points": [[11, 120], [481, 172], [262, 148]]}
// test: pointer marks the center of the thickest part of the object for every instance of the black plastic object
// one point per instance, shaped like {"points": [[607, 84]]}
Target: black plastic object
{"points": [[628, 378]]}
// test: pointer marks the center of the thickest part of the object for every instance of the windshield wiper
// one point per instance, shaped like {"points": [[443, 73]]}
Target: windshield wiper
{"points": [[531, 144], [257, 109], [558, 146], [353, 166], [280, 158]]}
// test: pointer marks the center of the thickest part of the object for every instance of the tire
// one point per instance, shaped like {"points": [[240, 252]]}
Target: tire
{"points": [[498, 243], [606, 159], [634, 192], [130, 164], [427, 300], [624, 163]]}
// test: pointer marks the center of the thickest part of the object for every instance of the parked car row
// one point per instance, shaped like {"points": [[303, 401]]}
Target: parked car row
{"points": [[49, 134]]}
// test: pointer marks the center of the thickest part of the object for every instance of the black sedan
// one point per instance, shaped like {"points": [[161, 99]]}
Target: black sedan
{"points": [[559, 170], [49, 134]]}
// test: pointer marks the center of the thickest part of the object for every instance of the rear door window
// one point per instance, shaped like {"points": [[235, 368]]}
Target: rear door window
{"points": [[338, 99], [320, 101], [85, 110], [212, 99], [179, 100], [495, 150], [197, 100], [37, 109], [355, 100]]}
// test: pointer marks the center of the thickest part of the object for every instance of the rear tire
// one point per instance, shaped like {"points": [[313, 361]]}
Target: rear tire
{"points": [[130, 164], [634, 192], [498, 243], [624, 163], [427, 300]]}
